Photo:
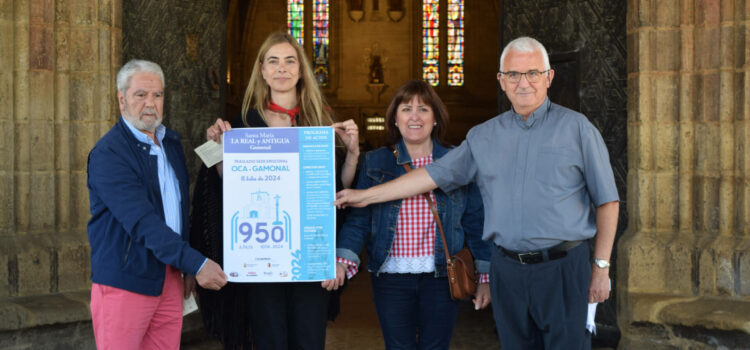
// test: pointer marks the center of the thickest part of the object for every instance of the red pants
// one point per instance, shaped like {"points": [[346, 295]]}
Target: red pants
{"points": [[127, 320]]}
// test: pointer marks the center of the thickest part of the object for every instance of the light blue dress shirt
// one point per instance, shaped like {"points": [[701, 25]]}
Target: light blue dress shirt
{"points": [[541, 179], [169, 188]]}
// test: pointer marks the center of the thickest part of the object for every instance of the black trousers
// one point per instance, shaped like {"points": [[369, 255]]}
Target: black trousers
{"points": [[544, 305], [288, 315]]}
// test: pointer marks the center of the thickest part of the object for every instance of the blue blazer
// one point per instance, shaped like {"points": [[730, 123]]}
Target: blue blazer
{"points": [[130, 240], [461, 212]]}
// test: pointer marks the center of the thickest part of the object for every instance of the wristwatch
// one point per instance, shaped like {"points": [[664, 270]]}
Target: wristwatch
{"points": [[601, 263]]}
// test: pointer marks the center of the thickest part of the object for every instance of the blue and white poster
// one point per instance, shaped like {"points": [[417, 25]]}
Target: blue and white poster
{"points": [[279, 220]]}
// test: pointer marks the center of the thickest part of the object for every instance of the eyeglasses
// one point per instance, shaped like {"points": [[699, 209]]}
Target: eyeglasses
{"points": [[532, 76]]}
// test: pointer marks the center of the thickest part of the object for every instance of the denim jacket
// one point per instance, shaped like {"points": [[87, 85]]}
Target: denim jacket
{"points": [[461, 212]]}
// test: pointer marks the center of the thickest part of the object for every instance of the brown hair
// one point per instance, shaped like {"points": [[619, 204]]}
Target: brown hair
{"points": [[425, 93], [314, 111]]}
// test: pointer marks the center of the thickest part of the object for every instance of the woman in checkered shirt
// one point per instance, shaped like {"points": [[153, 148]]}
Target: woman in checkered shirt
{"points": [[405, 256]]}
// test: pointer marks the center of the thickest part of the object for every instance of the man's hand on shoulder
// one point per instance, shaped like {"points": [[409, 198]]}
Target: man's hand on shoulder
{"points": [[211, 276]]}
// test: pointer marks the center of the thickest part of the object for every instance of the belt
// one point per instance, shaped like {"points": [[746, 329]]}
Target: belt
{"points": [[537, 256]]}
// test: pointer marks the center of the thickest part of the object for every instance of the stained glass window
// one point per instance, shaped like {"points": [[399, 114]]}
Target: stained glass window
{"points": [[320, 33], [295, 23], [455, 43], [320, 41], [430, 41]]}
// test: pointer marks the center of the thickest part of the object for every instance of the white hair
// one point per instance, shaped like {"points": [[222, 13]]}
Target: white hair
{"points": [[525, 44], [137, 66]]}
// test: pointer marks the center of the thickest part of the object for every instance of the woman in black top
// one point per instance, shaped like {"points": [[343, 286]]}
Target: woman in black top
{"points": [[282, 92]]}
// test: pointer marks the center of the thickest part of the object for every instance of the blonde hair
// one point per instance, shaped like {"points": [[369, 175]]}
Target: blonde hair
{"points": [[314, 111]]}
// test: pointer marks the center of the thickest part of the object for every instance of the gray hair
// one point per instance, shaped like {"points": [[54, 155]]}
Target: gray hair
{"points": [[137, 66], [525, 44]]}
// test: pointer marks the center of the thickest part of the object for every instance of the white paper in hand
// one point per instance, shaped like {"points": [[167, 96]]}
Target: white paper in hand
{"points": [[210, 153], [189, 305], [590, 324]]}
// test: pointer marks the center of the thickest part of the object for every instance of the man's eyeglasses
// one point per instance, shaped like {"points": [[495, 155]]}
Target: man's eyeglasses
{"points": [[532, 76]]}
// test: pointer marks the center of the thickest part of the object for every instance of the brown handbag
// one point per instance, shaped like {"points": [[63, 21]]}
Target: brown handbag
{"points": [[462, 277]]}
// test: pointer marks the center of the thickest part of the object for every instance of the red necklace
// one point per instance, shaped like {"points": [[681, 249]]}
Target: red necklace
{"points": [[292, 113]]}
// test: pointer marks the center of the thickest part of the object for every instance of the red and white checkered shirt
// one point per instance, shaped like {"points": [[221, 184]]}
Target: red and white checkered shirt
{"points": [[413, 248]]}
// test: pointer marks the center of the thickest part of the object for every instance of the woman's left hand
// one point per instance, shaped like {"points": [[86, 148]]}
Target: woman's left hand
{"points": [[482, 296], [335, 283], [349, 133]]}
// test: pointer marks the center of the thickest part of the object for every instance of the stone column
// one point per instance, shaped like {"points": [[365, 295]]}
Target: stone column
{"points": [[57, 86], [688, 239]]}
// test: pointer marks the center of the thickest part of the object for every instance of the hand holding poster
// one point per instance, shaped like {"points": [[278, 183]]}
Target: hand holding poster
{"points": [[279, 223]]}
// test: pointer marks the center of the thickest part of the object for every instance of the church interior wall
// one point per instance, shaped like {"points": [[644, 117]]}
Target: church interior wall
{"points": [[398, 43]]}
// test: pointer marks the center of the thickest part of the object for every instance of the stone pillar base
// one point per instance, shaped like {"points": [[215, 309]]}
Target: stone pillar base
{"points": [[677, 292]]}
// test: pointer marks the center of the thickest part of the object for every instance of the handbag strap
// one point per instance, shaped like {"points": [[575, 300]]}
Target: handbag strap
{"points": [[433, 208]]}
